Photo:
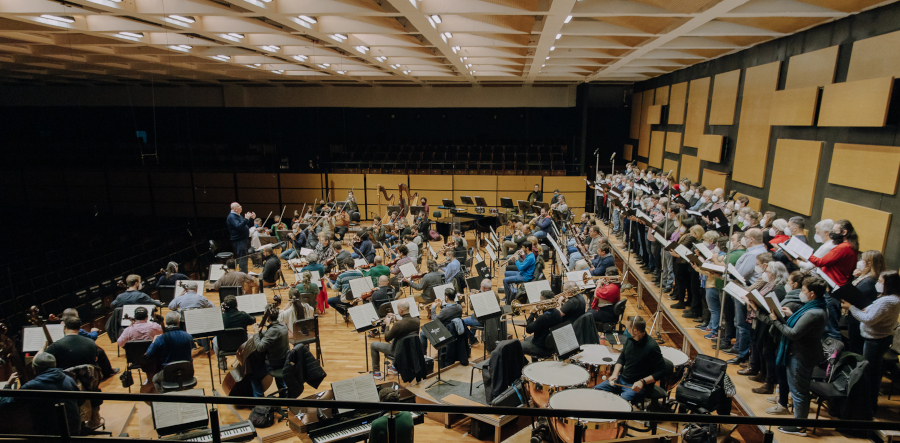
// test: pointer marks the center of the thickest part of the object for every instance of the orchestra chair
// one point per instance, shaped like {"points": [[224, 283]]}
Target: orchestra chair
{"points": [[838, 385], [484, 363], [225, 291], [228, 342], [306, 332], [657, 394], [178, 376], [134, 357], [619, 310], [222, 257], [310, 299], [166, 294]]}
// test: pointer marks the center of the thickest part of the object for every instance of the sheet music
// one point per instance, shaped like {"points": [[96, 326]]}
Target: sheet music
{"points": [[433, 254], [774, 306], [490, 252], [314, 276], [494, 236], [478, 258], [33, 338], [578, 278], [565, 339], [362, 315], [683, 251], [826, 278], [304, 252], [661, 239], [533, 289], [179, 289], [800, 249], [360, 388], [357, 262], [759, 301], [203, 321], [713, 267], [559, 253], [737, 292], [216, 272], [737, 275], [167, 415], [252, 303], [408, 270], [360, 286], [485, 303], [129, 309], [707, 254], [413, 306], [439, 290]]}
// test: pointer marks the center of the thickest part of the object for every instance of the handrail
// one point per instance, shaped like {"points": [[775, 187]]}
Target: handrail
{"points": [[452, 409]]}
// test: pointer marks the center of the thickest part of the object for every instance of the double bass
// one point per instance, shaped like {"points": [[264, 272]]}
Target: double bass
{"points": [[247, 360], [9, 358]]}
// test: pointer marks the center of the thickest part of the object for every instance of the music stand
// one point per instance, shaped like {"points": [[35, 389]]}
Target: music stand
{"points": [[466, 200], [506, 202], [392, 209], [448, 202], [416, 209], [439, 337], [541, 205], [166, 293], [524, 206], [364, 319]]}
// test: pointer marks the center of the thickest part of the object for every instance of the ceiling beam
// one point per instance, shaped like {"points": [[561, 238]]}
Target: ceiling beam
{"points": [[553, 23]]}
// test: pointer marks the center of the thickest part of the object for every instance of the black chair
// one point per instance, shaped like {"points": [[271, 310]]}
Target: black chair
{"points": [[228, 342], [225, 291], [400, 345], [619, 310], [306, 332], [134, 356], [836, 387], [480, 367], [178, 376]]}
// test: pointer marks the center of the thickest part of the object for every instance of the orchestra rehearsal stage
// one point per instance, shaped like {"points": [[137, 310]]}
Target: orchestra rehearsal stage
{"points": [[345, 357]]}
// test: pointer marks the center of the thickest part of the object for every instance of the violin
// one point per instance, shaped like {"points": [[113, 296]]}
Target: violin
{"points": [[362, 298], [416, 276]]}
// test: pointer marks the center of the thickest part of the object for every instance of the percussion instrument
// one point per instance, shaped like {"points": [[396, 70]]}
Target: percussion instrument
{"points": [[681, 362], [598, 361], [545, 378], [588, 400]]}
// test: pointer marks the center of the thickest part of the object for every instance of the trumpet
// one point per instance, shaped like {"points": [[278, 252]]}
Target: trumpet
{"points": [[545, 305], [513, 257]]}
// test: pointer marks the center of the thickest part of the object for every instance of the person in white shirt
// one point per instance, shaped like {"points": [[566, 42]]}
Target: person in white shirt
{"points": [[823, 229], [413, 248]]}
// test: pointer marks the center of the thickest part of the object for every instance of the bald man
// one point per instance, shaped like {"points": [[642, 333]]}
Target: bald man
{"points": [[239, 232], [384, 293], [401, 324]]}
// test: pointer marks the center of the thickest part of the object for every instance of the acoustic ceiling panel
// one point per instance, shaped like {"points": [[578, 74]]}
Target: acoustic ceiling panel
{"points": [[869, 167], [873, 223], [794, 174], [724, 98]]}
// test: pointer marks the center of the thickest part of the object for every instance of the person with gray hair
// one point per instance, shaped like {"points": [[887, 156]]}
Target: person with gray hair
{"points": [[172, 346], [823, 231], [746, 266], [47, 378], [190, 299], [401, 324], [239, 232], [433, 278]]}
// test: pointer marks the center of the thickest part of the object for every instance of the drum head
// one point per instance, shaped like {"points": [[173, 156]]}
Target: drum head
{"points": [[596, 355], [589, 400], [555, 373], [675, 356]]}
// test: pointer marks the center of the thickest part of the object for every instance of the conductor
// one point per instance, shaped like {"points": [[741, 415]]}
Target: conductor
{"points": [[239, 232]]}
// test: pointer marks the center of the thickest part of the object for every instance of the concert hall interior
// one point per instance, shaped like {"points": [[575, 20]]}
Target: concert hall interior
{"points": [[480, 220]]}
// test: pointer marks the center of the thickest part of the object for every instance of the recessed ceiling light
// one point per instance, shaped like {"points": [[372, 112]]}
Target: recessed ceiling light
{"points": [[135, 36], [449, 35], [552, 48], [236, 35], [278, 71], [436, 18], [221, 58], [59, 18], [182, 48], [182, 18], [568, 19], [558, 36], [271, 48], [307, 19], [342, 72], [301, 58], [431, 22]]}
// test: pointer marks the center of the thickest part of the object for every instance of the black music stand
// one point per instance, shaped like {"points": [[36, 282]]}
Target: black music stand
{"points": [[365, 328], [439, 337], [416, 209], [524, 206], [466, 200], [448, 202], [392, 209], [480, 201]]}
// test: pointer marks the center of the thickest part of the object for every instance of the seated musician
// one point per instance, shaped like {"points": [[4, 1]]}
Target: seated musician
{"points": [[452, 271], [449, 311], [433, 278], [73, 349], [544, 225], [190, 299], [273, 343], [603, 260], [378, 270], [365, 249], [341, 302], [404, 259], [400, 325], [271, 269], [524, 261], [411, 246], [298, 242], [595, 242], [639, 365], [383, 293], [605, 298], [303, 287], [172, 275], [535, 195], [106, 369], [512, 242], [172, 346], [471, 322], [461, 248], [575, 306], [232, 317], [233, 277], [295, 310], [539, 327], [140, 329], [277, 225], [313, 265], [582, 231], [133, 294], [538, 251], [47, 377]]}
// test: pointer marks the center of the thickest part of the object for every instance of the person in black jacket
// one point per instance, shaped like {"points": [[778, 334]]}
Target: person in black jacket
{"points": [[271, 269], [449, 310], [639, 365], [539, 326], [239, 233], [47, 378], [403, 325]]}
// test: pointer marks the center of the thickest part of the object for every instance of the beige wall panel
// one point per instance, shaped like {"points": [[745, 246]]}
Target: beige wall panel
{"points": [[490, 197], [875, 57], [225, 196], [171, 179], [308, 181], [434, 199], [752, 144], [629, 152], [634, 129], [438, 182], [514, 195], [565, 184], [724, 98], [175, 195], [657, 147], [94, 193], [794, 107], [869, 167], [249, 195], [213, 179], [131, 179], [83, 178], [641, 165], [859, 103], [754, 204], [389, 181], [677, 99], [671, 165], [122, 194], [695, 121], [761, 79], [655, 115], [714, 179], [794, 173], [294, 197], [518, 182], [814, 68], [248, 180], [174, 209], [662, 96], [690, 167], [673, 142], [644, 140], [348, 181], [472, 182], [874, 224], [710, 148]]}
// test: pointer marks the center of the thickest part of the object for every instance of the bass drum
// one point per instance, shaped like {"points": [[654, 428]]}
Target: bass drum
{"points": [[545, 378], [587, 400]]}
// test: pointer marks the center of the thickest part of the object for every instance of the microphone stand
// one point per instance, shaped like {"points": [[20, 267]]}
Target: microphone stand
{"points": [[721, 328], [657, 316]]}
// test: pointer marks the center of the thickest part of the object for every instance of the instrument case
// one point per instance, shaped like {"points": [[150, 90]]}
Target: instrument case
{"points": [[704, 389]]}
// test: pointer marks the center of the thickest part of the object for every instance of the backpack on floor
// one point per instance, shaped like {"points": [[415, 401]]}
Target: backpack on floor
{"points": [[697, 433]]}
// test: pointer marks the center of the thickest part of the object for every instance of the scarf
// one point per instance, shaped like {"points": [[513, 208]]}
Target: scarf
{"points": [[791, 321]]}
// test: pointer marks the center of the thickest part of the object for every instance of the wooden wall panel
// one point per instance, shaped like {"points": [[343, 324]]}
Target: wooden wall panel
{"points": [[641, 165], [752, 145], [871, 223], [634, 129], [257, 180], [252, 195], [794, 174], [671, 165], [714, 179], [389, 181], [629, 152], [662, 96], [655, 115], [566, 185], [293, 197], [869, 167], [762, 78], [814, 68], [171, 179], [514, 195], [221, 195], [677, 100], [755, 203], [523, 183], [710, 148], [724, 98], [875, 57], [349, 181], [214, 179], [438, 182], [657, 147], [476, 182], [695, 120], [794, 107], [673, 142], [304, 181], [859, 103], [690, 168], [644, 139]]}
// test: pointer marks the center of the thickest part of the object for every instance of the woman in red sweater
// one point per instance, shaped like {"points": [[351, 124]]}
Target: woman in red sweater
{"points": [[838, 264], [605, 299]]}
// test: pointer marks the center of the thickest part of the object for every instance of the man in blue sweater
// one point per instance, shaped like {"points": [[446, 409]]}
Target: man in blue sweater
{"points": [[47, 378], [525, 264], [172, 346], [602, 260], [239, 232]]}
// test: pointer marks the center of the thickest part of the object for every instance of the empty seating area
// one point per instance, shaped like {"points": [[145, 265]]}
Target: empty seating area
{"points": [[471, 159], [81, 266]]}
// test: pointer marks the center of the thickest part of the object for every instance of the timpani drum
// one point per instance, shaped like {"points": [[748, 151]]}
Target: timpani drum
{"points": [[680, 361], [545, 378], [587, 400], [598, 362]]}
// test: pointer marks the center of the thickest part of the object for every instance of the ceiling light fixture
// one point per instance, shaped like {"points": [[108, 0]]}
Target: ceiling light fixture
{"points": [[406, 72], [236, 35], [362, 49], [254, 66], [338, 37], [322, 66], [221, 58], [182, 48], [59, 18], [342, 72], [558, 36], [134, 36], [436, 18], [568, 19], [271, 48], [278, 71], [307, 19], [449, 35], [431, 22], [182, 18], [301, 58], [454, 49], [552, 48]]}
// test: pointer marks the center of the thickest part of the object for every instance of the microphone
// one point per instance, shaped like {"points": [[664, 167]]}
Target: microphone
{"points": [[613, 156]]}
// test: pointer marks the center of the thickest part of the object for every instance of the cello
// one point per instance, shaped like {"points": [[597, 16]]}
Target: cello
{"points": [[248, 359], [9, 358]]}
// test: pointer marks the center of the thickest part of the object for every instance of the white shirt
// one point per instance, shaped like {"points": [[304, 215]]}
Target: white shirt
{"points": [[413, 252]]}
